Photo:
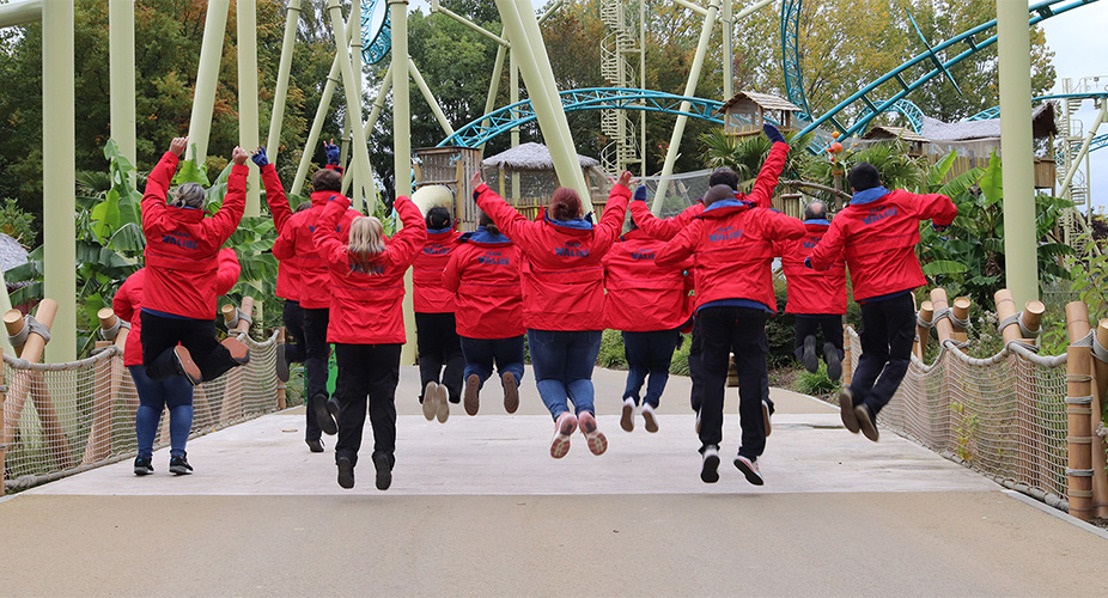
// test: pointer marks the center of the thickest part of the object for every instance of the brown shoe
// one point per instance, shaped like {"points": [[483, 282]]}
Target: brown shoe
{"points": [[846, 409], [865, 422], [472, 400], [511, 392], [238, 350], [186, 366]]}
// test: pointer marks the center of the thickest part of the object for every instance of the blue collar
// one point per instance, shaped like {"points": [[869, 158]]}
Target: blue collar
{"points": [[725, 203], [818, 221], [484, 237], [868, 195], [439, 231], [576, 223]]}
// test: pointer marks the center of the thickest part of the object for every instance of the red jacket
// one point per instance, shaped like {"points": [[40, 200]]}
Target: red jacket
{"points": [[733, 244], [288, 270], [367, 297], [127, 303], [879, 237], [643, 297], [563, 277], [296, 240], [484, 272], [812, 292], [181, 244], [431, 297]]}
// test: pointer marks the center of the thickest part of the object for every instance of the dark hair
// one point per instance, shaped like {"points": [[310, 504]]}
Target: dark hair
{"points": [[304, 205], [485, 220], [815, 211], [724, 176], [718, 192], [437, 218], [326, 179], [564, 204], [863, 176]]}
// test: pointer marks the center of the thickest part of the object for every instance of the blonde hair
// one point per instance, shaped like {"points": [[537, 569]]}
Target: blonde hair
{"points": [[367, 238]]}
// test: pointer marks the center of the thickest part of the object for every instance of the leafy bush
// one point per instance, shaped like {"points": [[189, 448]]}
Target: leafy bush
{"points": [[816, 384], [16, 223], [611, 351]]}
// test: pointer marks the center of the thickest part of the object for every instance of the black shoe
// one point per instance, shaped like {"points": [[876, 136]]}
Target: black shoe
{"points": [[334, 408], [808, 357], [315, 445], [834, 362], [318, 403], [143, 466], [749, 467], [709, 468], [179, 465], [346, 472], [185, 366], [866, 423], [846, 409], [282, 363], [384, 471]]}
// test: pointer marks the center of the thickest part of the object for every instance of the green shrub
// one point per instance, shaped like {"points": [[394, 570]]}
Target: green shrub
{"points": [[817, 384], [611, 351], [16, 223], [680, 363]]}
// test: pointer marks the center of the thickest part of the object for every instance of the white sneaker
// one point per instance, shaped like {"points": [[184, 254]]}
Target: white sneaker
{"points": [[430, 401], [564, 428], [442, 395], [627, 418], [749, 467], [709, 467], [649, 417], [597, 441]]}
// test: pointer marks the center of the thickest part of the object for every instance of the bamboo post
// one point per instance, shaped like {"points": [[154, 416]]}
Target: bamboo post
{"points": [[231, 407], [99, 436], [1028, 322], [943, 326], [117, 383], [21, 379], [1079, 391], [848, 364], [960, 311], [3, 447], [280, 383], [923, 328], [1100, 474]]}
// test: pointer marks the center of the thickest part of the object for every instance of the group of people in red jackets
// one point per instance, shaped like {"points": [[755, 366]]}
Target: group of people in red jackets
{"points": [[559, 281]]}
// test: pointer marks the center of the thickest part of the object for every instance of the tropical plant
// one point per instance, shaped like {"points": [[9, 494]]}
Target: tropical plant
{"points": [[17, 223]]}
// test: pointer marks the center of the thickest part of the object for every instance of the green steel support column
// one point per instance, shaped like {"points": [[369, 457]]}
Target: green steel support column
{"points": [[247, 32], [317, 126], [121, 68], [360, 151], [690, 90], [1014, 49], [288, 44], [58, 192], [513, 97], [207, 78], [728, 51], [494, 83], [1083, 153], [430, 98], [370, 123], [642, 85], [402, 146], [520, 23], [20, 13], [360, 177], [344, 146]]}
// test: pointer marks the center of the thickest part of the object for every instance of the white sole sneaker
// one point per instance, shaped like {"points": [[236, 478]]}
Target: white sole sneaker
{"points": [[442, 398], [649, 419], [627, 417], [709, 468], [430, 401], [563, 431], [597, 441]]}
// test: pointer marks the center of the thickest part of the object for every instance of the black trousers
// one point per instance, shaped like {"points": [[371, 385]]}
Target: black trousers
{"points": [[292, 317], [367, 372], [810, 325], [160, 335], [888, 331], [696, 369], [316, 354], [742, 331], [438, 345]]}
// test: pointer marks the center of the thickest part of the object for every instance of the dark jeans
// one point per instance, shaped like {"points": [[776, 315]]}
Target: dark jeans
{"points": [[438, 345], [371, 371], [563, 363], [292, 316], [809, 325], [316, 354], [742, 331], [481, 353], [888, 331], [160, 335], [696, 368], [648, 353], [173, 393]]}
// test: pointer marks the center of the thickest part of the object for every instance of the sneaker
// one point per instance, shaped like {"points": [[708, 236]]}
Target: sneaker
{"points": [[834, 362], [473, 390], [564, 427], [186, 366], [442, 403], [709, 467], [766, 413], [749, 467], [627, 417], [315, 445], [808, 357], [649, 417], [282, 363], [179, 465], [384, 471], [511, 392], [346, 472], [598, 443], [866, 423], [323, 418], [846, 409], [238, 350], [144, 466], [430, 400]]}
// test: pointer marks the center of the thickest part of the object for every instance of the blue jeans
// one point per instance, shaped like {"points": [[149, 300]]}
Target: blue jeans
{"points": [[174, 393], [480, 353], [563, 362], [648, 353]]}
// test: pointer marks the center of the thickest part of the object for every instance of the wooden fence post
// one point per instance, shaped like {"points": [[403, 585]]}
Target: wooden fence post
{"points": [[923, 328], [231, 408], [1100, 475], [848, 364], [960, 311], [3, 395], [1079, 391], [281, 398], [1026, 326]]}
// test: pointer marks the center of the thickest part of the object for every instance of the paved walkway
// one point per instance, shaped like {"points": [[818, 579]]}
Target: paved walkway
{"points": [[478, 507]]}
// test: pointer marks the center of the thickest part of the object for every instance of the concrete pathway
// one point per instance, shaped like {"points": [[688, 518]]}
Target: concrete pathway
{"points": [[478, 507]]}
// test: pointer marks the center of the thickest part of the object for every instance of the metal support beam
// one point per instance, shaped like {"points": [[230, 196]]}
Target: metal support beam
{"points": [[402, 146], [20, 13], [246, 21], [121, 69], [207, 78], [494, 82], [513, 98], [317, 126], [58, 192], [437, 7], [370, 123], [690, 90], [288, 44], [430, 98], [361, 172], [360, 157], [1071, 169], [550, 10], [728, 52], [1014, 49]]}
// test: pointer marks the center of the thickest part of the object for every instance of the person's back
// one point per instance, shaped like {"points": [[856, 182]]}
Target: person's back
{"points": [[484, 272], [812, 292], [296, 242], [642, 296], [429, 294]]}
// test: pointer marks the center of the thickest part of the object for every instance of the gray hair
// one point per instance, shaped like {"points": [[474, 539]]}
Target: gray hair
{"points": [[189, 195], [815, 211]]}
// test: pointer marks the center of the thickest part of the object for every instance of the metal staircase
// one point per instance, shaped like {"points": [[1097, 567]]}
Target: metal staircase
{"points": [[619, 46]]}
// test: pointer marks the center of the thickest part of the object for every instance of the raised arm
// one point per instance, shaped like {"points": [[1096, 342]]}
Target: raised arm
{"points": [[829, 248], [229, 270], [220, 226], [408, 241], [157, 186], [762, 194], [507, 219], [125, 300], [680, 248], [663, 229], [611, 222], [935, 207], [326, 239], [274, 190]]}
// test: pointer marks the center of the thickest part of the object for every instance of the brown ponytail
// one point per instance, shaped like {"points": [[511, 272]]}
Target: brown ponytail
{"points": [[565, 204]]}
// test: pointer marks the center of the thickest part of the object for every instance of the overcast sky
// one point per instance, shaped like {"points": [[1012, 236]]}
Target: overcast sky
{"points": [[1079, 39]]}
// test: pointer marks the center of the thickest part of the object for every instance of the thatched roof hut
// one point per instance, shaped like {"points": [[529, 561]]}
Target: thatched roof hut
{"points": [[12, 254]]}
